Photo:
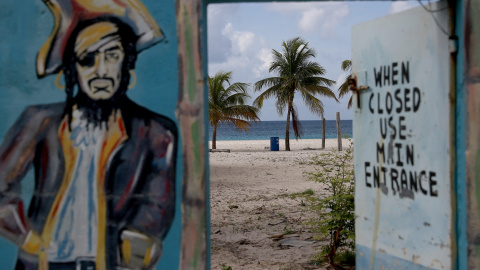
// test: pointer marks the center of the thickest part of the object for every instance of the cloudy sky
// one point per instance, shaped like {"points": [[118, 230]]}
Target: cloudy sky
{"points": [[242, 36]]}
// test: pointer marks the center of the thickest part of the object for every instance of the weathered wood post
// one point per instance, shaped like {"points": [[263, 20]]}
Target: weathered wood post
{"points": [[339, 132], [190, 115], [472, 153], [323, 133]]}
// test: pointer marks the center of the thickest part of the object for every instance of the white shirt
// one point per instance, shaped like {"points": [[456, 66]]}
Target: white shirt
{"points": [[75, 232]]}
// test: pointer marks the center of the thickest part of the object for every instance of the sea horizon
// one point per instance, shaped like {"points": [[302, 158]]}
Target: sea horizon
{"points": [[264, 130]]}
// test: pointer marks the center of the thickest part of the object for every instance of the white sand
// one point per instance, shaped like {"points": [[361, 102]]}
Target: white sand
{"points": [[264, 145], [248, 206]]}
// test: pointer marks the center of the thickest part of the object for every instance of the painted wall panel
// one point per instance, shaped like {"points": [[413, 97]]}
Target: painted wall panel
{"points": [[472, 140], [156, 183], [403, 198]]}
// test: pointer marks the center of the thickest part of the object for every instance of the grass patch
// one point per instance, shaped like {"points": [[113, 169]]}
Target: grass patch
{"points": [[304, 194], [226, 267], [342, 257]]}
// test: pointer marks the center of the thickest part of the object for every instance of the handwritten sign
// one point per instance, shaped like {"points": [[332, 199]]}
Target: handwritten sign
{"points": [[395, 154], [403, 143]]}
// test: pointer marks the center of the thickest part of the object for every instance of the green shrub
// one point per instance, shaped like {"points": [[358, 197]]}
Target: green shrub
{"points": [[226, 267], [335, 211]]}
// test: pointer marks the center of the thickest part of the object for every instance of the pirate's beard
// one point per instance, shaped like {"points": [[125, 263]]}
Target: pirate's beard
{"points": [[94, 111], [98, 111]]}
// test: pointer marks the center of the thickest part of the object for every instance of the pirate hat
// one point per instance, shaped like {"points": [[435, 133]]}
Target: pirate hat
{"points": [[69, 13]]}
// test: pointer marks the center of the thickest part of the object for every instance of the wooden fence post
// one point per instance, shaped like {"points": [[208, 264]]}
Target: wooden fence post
{"points": [[339, 132], [194, 250]]}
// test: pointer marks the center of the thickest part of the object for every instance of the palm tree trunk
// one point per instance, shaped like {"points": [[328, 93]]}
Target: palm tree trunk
{"points": [[214, 137], [287, 131]]}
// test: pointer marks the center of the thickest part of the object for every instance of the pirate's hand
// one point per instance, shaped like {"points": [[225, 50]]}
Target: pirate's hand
{"points": [[138, 250], [32, 243], [12, 226]]}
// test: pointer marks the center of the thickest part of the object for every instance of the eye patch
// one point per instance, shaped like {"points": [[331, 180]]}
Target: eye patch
{"points": [[88, 60]]}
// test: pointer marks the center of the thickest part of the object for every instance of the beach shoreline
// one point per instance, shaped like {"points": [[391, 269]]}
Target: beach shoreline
{"points": [[264, 145], [263, 130], [254, 222]]}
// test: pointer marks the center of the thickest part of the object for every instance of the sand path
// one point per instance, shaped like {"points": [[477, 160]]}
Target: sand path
{"points": [[253, 224]]}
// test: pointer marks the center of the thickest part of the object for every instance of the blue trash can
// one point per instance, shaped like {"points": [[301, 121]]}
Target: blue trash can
{"points": [[274, 143]]}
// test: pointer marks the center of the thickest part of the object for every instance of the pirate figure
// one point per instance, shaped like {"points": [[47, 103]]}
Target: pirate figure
{"points": [[104, 166]]}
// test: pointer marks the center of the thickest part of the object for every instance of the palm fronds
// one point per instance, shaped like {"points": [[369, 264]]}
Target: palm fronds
{"points": [[227, 103], [295, 71]]}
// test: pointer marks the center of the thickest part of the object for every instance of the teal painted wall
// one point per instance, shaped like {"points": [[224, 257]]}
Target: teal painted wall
{"points": [[460, 135]]}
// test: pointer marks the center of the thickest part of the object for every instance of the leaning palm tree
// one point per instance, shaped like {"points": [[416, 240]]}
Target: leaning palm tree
{"points": [[343, 89], [227, 104], [295, 73]]}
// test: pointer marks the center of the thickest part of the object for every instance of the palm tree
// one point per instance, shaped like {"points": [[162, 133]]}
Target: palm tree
{"points": [[295, 72], [227, 105], [343, 89]]}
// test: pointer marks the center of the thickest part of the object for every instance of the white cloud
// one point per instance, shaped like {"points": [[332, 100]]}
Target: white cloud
{"points": [[247, 56], [315, 17], [230, 49], [227, 29], [242, 41], [265, 56], [400, 6], [340, 80], [310, 19], [218, 17]]}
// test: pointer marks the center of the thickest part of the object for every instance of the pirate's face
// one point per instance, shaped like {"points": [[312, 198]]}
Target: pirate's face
{"points": [[100, 56]]}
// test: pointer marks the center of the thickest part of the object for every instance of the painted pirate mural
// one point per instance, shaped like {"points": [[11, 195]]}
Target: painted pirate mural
{"points": [[104, 166]]}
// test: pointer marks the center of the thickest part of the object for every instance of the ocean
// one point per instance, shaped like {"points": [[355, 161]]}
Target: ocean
{"points": [[263, 130]]}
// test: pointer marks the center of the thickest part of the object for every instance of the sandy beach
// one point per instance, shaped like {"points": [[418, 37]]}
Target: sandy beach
{"points": [[254, 224]]}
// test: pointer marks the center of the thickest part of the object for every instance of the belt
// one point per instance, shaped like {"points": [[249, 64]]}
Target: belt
{"points": [[79, 264]]}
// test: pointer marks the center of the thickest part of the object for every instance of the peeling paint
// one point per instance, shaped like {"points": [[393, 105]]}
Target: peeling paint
{"points": [[406, 193]]}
